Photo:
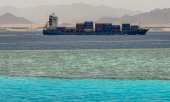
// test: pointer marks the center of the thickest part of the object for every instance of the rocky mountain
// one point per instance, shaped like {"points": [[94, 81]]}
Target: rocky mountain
{"points": [[9, 18], [67, 13], [157, 16]]}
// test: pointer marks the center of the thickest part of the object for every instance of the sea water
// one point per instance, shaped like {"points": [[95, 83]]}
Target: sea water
{"points": [[25, 89], [103, 63], [38, 41], [95, 68]]}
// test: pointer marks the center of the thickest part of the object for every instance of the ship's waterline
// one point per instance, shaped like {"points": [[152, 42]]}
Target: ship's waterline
{"points": [[113, 63]]}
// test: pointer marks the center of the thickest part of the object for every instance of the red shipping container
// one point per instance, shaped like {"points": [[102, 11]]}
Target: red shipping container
{"points": [[79, 27], [99, 26]]}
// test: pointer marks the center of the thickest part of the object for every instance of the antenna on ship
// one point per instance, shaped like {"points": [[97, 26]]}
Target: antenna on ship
{"points": [[53, 14]]}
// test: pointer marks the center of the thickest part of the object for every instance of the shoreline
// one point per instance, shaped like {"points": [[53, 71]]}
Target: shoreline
{"points": [[28, 30]]}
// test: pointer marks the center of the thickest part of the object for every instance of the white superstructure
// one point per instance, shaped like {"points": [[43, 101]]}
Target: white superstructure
{"points": [[53, 21]]}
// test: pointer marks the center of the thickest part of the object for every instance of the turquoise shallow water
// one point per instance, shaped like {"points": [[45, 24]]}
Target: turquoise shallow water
{"points": [[19, 89]]}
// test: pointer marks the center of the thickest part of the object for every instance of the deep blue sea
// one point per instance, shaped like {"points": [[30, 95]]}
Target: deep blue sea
{"points": [[28, 89], [37, 41]]}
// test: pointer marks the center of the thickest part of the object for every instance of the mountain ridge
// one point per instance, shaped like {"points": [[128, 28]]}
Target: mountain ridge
{"points": [[67, 13], [157, 16], [9, 18]]}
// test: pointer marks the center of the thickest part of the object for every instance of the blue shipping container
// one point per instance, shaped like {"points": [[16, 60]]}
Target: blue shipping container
{"points": [[126, 26]]}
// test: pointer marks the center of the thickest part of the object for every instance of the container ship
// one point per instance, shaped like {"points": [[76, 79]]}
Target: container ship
{"points": [[91, 28]]}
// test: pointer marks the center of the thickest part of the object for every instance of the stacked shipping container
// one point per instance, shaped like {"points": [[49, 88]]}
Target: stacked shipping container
{"points": [[79, 27], [70, 29], [88, 26], [107, 27], [125, 27], [99, 27], [116, 28], [104, 27]]}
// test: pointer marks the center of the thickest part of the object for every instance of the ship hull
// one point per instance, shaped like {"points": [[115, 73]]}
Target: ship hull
{"points": [[130, 32]]}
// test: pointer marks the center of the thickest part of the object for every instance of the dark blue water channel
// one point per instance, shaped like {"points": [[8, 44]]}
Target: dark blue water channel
{"points": [[37, 41], [24, 89]]}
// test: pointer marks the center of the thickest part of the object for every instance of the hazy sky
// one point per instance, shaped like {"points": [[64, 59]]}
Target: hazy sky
{"points": [[142, 5]]}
